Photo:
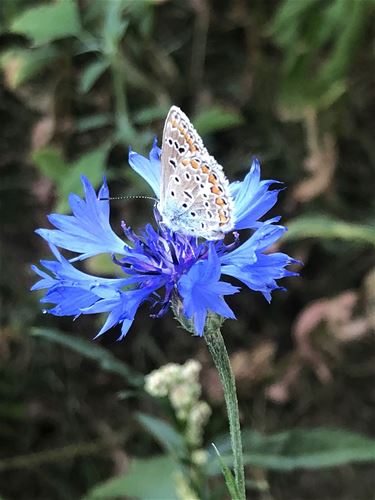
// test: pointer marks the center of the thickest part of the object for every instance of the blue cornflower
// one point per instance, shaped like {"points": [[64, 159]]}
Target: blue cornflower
{"points": [[159, 266]]}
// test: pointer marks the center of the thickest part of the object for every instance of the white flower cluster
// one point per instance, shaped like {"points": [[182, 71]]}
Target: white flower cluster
{"points": [[180, 383], [196, 420]]}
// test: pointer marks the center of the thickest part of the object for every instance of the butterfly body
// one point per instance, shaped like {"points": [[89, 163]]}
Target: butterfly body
{"points": [[194, 197]]}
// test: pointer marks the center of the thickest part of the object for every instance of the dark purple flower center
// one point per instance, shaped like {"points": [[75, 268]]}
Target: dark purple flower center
{"points": [[158, 258]]}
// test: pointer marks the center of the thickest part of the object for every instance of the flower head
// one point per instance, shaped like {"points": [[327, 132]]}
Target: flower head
{"points": [[180, 383], [157, 265]]}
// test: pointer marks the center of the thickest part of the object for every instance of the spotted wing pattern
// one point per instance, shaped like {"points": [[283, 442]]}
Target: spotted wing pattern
{"points": [[194, 197]]}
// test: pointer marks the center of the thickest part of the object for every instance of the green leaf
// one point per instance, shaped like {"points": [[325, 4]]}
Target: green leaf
{"points": [[23, 65], [91, 74], [94, 121], [91, 165], [146, 479], [114, 26], [228, 476], [150, 114], [324, 227], [164, 433], [68, 176], [285, 27], [92, 351], [308, 448], [301, 448], [48, 22], [50, 162], [320, 41], [216, 118]]}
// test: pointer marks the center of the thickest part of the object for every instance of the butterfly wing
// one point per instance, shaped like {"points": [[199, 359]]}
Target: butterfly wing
{"points": [[194, 196], [180, 140]]}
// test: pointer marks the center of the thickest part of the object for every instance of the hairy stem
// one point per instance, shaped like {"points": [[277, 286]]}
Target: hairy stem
{"points": [[216, 346]]}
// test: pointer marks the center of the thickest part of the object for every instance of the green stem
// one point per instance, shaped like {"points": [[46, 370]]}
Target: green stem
{"points": [[216, 346], [124, 127]]}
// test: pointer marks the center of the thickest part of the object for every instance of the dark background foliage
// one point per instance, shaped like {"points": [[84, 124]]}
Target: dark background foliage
{"points": [[290, 81]]}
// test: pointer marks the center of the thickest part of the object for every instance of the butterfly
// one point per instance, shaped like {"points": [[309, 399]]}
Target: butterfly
{"points": [[194, 195]]}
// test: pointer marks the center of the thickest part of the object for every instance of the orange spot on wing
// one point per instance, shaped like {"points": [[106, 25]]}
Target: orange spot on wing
{"points": [[185, 162], [205, 169], [194, 164], [223, 218], [212, 179], [220, 201], [215, 190], [186, 136]]}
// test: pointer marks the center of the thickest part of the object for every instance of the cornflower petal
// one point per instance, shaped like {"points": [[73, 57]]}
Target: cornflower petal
{"points": [[202, 291], [150, 168], [68, 300], [63, 270], [70, 289], [88, 231], [246, 253], [122, 309], [46, 282], [261, 276], [252, 199]]}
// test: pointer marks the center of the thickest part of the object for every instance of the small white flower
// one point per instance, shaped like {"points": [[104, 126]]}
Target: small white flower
{"points": [[200, 413], [194, 435], [159, 382], [184, 395], [182, 414], [191, 370], [199, 456], [155, 384], [196, 420], [171, 372]]}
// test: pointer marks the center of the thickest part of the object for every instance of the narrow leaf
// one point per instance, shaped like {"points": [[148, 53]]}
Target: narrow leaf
{"points": [[150, 114], [50, 162], [300, 448], [228, 476], [91, 74], [215, 119], [92, 165], [146, 479], [323, 227], [20, 66], [164, 433], [49, 22], [94, 121], [92, 351]]}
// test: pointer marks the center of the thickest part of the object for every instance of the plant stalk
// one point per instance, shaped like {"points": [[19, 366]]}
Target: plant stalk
{"points": [[125, 129], [216, 346]]}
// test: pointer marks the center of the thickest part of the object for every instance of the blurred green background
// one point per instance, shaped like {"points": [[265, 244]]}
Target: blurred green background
{"points": [[290, 81]]}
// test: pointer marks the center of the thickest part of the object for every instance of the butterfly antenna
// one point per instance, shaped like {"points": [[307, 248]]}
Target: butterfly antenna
{"points": [[130, 197]]}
